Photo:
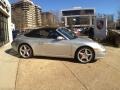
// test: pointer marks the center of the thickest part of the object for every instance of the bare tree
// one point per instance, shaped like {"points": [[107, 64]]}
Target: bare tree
{"points": [[119, 17], [118, 20]]}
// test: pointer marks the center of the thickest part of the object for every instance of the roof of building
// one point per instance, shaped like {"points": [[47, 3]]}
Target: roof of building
{"points": [[77, 8], [28, 1]]}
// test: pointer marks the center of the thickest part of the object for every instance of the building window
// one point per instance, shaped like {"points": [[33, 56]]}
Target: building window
{"points": [[4, 38], [81, 20]]}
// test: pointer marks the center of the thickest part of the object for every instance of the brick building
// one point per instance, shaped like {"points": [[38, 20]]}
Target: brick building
{"points": [[49, 19], [26, 15]]}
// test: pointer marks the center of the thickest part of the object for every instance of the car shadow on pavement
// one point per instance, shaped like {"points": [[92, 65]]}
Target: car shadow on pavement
{"points": [[60, 59], [15, 54], [55, 58], [12, 52]]}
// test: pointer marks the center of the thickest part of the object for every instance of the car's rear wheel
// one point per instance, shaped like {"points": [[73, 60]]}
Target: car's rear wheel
{"points": [[25, 51], [85, 55]]}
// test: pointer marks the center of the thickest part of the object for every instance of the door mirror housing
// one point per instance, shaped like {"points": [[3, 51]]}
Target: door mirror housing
{"points": [[60, 38]]}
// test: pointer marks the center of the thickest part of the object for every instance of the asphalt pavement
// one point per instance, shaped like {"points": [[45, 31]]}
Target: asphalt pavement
{"points": [[45, 73], [8, 68]]}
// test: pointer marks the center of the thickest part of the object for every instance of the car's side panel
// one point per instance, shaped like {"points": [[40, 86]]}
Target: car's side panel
{"points": [[56, 48], [32, 42]]}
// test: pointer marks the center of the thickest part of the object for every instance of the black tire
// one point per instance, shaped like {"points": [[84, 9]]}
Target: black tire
{"points": [[85, 55], [25, 51]]}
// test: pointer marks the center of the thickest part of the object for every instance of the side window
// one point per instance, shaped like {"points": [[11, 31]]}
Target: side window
{"points": [[53, 34], [38, 34], [34, 33], [44, 33]]}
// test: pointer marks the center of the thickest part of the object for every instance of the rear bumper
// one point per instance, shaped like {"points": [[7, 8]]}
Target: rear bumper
{"points": [[14, 46]]}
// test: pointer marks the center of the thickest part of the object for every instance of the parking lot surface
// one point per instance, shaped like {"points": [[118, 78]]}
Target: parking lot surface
{"points": [[45, 73]]}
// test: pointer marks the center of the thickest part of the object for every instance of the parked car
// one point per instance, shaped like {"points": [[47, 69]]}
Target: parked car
{"points": [[57, 42]]}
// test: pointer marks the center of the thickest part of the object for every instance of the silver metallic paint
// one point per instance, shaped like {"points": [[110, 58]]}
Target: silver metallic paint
{"points": [[58, 48]]}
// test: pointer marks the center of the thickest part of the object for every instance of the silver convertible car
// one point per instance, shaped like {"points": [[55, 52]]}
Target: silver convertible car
{"points": [[57, 42]]}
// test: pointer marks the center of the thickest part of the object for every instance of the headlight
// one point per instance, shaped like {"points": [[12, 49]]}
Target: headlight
{"points": [[100, 47]]}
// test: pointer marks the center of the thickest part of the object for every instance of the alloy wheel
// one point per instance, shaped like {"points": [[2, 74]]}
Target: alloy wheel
{"points": [[25, 51], [85, 55]]}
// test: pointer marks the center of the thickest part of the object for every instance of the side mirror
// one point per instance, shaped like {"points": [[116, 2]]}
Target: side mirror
{"points": [[60, 38]]}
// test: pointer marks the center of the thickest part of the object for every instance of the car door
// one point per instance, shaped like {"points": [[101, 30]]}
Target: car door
{"points": [[51, 46], [34, 39]]}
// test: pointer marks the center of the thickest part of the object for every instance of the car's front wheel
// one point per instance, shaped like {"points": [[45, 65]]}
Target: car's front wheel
{"points": [[85, 55], [25, 51]]}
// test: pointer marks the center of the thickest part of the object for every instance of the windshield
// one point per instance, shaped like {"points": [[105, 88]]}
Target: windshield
{"points": [[68, 33]]}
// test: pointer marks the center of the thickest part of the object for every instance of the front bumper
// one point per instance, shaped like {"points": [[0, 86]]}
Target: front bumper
{"points": [[100, 54]]}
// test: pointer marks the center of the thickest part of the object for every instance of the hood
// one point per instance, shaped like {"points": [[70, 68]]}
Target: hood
{"points": [[87, 41], [82, 39]]}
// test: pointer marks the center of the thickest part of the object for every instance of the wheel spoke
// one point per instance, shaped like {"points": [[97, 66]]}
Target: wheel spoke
{"points": [[27, 53], [87, 59], [81, 53], [89, 54], [25, 47], [86, 51], [22, 50], [28, 50], [82, 58]]}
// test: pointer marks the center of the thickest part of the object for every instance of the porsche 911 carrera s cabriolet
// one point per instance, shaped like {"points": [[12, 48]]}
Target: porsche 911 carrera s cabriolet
{"points": [[57, 42]]}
